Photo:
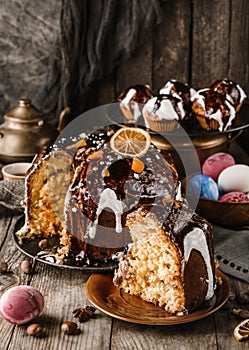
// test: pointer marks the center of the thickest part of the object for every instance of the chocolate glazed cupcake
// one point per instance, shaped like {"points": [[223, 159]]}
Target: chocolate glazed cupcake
{"points": [[132, 101], [182, 91], [213, 110], [163, 113], [231, 90]]}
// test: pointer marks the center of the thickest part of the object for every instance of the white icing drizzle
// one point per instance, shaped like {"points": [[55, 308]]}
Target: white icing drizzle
{"points": [[165, 111], [242, 93], [218, 114], [136, 110], [196, 239], [108, 199], [178, 196], [166, 89], [128, 96]]}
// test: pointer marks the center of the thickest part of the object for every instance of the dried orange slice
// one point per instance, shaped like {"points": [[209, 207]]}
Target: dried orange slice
{"points": [[241, 331], [130, 142]]}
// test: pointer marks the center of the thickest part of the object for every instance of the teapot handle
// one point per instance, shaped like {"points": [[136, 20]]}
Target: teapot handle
{"points": [[62, 118]]}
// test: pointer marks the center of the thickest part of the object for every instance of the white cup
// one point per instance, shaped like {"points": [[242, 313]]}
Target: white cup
{"points": [[15, 171]]}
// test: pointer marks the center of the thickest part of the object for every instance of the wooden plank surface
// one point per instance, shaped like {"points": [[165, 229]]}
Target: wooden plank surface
{"points": [[64, 291], [238, 68], [137, 69], [171, 47], [210, 42]]}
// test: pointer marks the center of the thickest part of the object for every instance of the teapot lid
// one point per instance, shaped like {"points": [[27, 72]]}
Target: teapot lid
{"points": [[25, 112]]}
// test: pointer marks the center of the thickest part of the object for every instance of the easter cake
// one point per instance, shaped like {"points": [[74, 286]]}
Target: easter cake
{"points": [[120, 196], [71, 193]]}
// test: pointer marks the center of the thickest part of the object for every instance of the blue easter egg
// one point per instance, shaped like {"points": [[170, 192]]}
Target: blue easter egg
{"points": [[203, 186]]}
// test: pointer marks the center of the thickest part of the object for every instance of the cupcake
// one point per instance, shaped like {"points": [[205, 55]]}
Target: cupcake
{"points": [[163, 113], [231, 90], [213, 110], [132, 101], [180, 90]]}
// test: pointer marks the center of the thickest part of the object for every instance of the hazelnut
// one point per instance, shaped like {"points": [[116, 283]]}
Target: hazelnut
{"points": [[26, 266], [69, 327], [35, 330], [43, 244], [3, 266]]}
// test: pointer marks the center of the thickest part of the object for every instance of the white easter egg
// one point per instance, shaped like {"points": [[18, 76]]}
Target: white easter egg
{"points": [[234, 178]]}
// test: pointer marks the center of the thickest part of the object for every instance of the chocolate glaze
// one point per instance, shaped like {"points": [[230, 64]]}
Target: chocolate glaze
{"points": [[214, 102], [142, 95], [173, 100], [228, 87], [99, 167], [182, 90]]}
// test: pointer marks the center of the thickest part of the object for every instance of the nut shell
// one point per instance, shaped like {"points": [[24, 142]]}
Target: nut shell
{"points": [[69, 327], [35, 330]]}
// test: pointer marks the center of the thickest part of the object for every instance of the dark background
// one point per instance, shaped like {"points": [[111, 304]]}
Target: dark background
{"points": [[196, 42]]}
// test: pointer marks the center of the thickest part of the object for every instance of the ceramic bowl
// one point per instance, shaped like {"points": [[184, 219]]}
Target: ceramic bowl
{"points": [[226, 214], [15, 171]]}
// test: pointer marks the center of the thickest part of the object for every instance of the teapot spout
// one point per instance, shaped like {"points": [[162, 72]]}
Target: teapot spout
{"points": [[62, 118]]}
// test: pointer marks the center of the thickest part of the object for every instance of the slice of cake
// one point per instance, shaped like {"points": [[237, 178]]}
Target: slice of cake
{"points": [[171, 262]]}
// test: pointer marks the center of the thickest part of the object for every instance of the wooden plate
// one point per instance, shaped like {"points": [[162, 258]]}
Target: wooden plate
{"points": [[102, 293]]}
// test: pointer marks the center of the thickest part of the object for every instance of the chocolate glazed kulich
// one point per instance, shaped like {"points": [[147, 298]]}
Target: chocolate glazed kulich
{"points": [[100, 168]]}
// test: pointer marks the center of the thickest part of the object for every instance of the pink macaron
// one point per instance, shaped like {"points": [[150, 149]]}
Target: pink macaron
{"points": [[21, 304]]}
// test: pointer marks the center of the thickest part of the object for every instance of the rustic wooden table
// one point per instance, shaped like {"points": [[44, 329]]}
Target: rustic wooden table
{"points": [[64, 291]]}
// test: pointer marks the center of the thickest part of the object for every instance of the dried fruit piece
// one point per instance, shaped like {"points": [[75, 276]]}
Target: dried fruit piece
{"points": [[105, 172], [130, 142], [78, 144], [241, 331], [137, 165], [95, 155]]}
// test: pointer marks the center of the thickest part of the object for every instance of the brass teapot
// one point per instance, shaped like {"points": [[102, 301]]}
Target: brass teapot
{"points": [[25, 131]]}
